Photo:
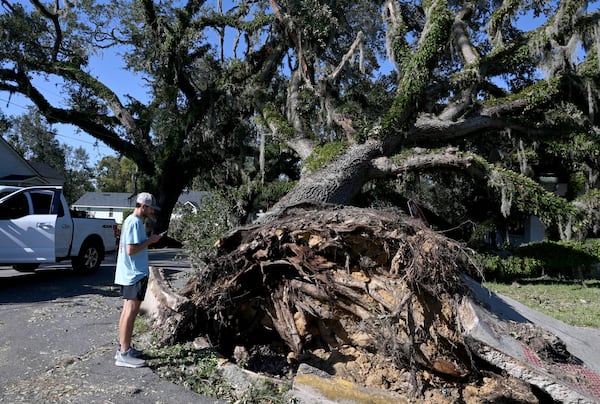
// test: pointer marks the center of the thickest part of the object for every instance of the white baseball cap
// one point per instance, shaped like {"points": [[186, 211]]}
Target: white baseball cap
{"points": [[145, 198]]}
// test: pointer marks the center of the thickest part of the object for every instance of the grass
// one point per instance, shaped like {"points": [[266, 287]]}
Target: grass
{"points": [[194, 369], [200, 370], [571, 302]]}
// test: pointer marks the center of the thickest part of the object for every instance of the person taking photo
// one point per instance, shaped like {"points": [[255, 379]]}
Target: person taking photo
{"points": [[132, 272]]}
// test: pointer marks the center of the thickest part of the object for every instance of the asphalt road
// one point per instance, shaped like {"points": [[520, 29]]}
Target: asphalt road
{"points": [[58, 335]]}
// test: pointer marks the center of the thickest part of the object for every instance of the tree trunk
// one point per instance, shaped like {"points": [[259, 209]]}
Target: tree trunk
{"points": [[338, 182]]}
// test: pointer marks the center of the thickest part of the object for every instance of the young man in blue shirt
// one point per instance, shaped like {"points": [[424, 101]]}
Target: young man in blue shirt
{"points": [[132, 273]]}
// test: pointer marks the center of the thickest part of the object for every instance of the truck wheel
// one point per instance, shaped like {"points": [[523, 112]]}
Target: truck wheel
{"points": [[25, 267], [89, 258]]}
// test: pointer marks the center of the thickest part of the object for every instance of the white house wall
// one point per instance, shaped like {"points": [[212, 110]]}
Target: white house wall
{"points": [[103, 214], [99, 213], [112, 205]]}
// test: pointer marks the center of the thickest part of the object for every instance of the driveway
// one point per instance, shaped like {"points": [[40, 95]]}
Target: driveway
{"points": [[58, 335]]}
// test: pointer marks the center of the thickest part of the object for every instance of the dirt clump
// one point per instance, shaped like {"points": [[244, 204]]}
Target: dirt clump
{"points": [[370, 296]]}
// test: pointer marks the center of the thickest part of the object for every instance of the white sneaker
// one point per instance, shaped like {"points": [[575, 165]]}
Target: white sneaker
{"points": [[127, 360], [136, 353]]}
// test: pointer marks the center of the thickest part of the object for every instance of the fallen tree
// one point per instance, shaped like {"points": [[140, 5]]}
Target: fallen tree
{"points": [[372, 296]]}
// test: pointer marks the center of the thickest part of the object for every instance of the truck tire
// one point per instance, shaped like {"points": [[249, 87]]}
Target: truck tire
{"points": [[25, 267], [89, 258]]}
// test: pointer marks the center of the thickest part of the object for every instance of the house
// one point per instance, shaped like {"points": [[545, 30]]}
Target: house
{"points": [[527, 228], [16, 171], [113, 205]]}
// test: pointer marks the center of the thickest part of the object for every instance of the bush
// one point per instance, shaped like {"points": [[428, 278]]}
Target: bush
{"points": [[550, 258], [562, 258], [593, 247], [198, 231], [510, 268]]}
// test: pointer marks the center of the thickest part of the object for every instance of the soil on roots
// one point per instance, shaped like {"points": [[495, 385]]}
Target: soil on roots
{"points": [[370, 296]]}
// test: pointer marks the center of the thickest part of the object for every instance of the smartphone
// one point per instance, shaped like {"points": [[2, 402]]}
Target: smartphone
{"points": [[163, 233]]}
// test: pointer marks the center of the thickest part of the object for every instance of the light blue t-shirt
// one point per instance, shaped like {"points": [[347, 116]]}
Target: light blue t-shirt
{"points": [[131, 268]]}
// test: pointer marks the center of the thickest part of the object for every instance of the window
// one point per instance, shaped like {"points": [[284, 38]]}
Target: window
{"points": [[14, 208], [42, 203]]}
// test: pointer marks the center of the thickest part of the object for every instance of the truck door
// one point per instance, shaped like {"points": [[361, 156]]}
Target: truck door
{"points": [[26, 236], [64, 225]]}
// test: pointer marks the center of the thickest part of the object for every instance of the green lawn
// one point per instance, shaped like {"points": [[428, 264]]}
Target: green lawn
{"points": [[567, 301]]}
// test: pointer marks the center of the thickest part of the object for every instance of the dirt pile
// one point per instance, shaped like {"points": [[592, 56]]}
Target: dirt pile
{"points": [[370, 296]]}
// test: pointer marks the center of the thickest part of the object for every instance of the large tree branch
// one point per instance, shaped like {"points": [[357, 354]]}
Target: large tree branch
{"points": [[88, 122], [341, 120], [346, 58], [383, 167], [470, 58], [98, 124], [417, 69], [293, 103], [503, 113], [429, 128], [290, 30], [281, 129], [528, 195], [53, 17]]}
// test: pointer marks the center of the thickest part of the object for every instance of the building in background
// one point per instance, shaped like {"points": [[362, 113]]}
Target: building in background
{"points": [[16, 171], [114, 205]]}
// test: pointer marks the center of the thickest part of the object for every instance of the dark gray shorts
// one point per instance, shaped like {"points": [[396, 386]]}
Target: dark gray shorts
{"points": [[137, 291]]}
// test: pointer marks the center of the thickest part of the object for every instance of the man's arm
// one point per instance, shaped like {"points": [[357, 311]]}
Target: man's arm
{"points": [[133, 249]]}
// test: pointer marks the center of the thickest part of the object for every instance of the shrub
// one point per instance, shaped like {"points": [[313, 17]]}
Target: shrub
{"points": [[593, 247], [552, 258], [561, 258], [510, 268], [198, 231]]}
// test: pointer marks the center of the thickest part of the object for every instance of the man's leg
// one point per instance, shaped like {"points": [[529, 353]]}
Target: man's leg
{"points": [[129, 313]]}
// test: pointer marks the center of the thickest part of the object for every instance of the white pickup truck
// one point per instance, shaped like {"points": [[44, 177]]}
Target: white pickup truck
{"points": [[37, 227]]}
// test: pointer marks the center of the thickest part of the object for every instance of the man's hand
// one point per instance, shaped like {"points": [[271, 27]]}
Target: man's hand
{"points": [[133, 249], [154, 238]]}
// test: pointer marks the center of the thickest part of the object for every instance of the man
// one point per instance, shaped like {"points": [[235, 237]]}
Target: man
{"points": [[132, 274]]}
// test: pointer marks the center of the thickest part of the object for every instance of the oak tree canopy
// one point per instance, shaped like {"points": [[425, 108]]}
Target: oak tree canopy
{"points": [[363, 102]]}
